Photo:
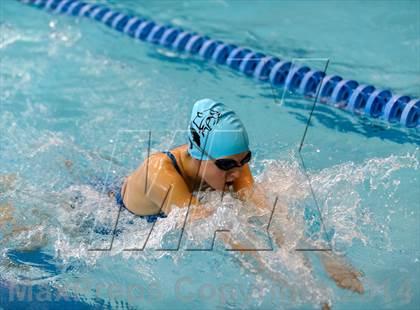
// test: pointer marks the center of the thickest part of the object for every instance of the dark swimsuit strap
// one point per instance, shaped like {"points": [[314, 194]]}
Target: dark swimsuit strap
{"points": [[173, 159]]}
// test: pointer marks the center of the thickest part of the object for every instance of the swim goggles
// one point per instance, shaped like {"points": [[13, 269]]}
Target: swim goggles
{"points": [[226, 164]]}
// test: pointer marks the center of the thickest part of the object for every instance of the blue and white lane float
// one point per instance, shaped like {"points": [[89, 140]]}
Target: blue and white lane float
{"points": [[360, 99]]}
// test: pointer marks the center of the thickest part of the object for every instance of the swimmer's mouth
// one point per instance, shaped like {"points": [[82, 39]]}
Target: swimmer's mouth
{"points": [[229, 183]]}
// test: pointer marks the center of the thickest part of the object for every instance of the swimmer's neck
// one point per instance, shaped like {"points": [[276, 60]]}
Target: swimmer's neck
{"points": [[190, 168]]}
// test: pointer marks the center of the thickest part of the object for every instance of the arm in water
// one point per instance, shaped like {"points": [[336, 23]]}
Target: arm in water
{"points": [[344, 275]]}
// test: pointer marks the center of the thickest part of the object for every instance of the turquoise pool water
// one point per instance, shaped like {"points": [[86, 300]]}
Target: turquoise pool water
{"points": [[78, 101]]}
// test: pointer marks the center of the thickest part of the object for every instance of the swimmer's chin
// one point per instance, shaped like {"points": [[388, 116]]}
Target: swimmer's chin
{"points": [[222, 187], [225, 187]]}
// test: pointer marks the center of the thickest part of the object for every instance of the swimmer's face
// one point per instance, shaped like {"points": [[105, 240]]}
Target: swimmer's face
{"points": [[219, 179]]}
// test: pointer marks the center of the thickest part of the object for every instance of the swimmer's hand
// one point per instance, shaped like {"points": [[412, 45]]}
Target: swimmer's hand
{"points": [[344, 275]]}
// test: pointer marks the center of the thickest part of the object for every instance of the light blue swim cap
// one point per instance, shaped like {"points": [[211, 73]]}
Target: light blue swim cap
{"points": [[217, 130]]}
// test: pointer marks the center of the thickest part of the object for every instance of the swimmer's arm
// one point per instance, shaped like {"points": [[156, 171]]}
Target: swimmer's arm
{"points": [[234, 245], [181, 197], [247, 190], [171, 191]]}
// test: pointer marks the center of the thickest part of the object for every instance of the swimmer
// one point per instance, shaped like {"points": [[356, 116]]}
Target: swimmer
{"points": [[216, 157]]}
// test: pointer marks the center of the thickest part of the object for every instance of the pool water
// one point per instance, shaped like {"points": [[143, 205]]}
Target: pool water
{"points": [[79, 101]]}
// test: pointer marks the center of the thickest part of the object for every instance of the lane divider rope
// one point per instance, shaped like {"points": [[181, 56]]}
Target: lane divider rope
{"points": [[360, 99]]}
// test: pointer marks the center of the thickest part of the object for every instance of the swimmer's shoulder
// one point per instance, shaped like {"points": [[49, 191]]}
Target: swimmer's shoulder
{"points": [[157, 174], [156, 165], [162, 162]]}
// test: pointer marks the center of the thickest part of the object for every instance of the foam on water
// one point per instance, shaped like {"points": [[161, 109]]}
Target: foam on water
{"points": [[67, 226]]}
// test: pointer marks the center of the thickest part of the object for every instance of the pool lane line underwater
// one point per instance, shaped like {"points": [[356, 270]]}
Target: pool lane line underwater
{"points": [[360, 99]]}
